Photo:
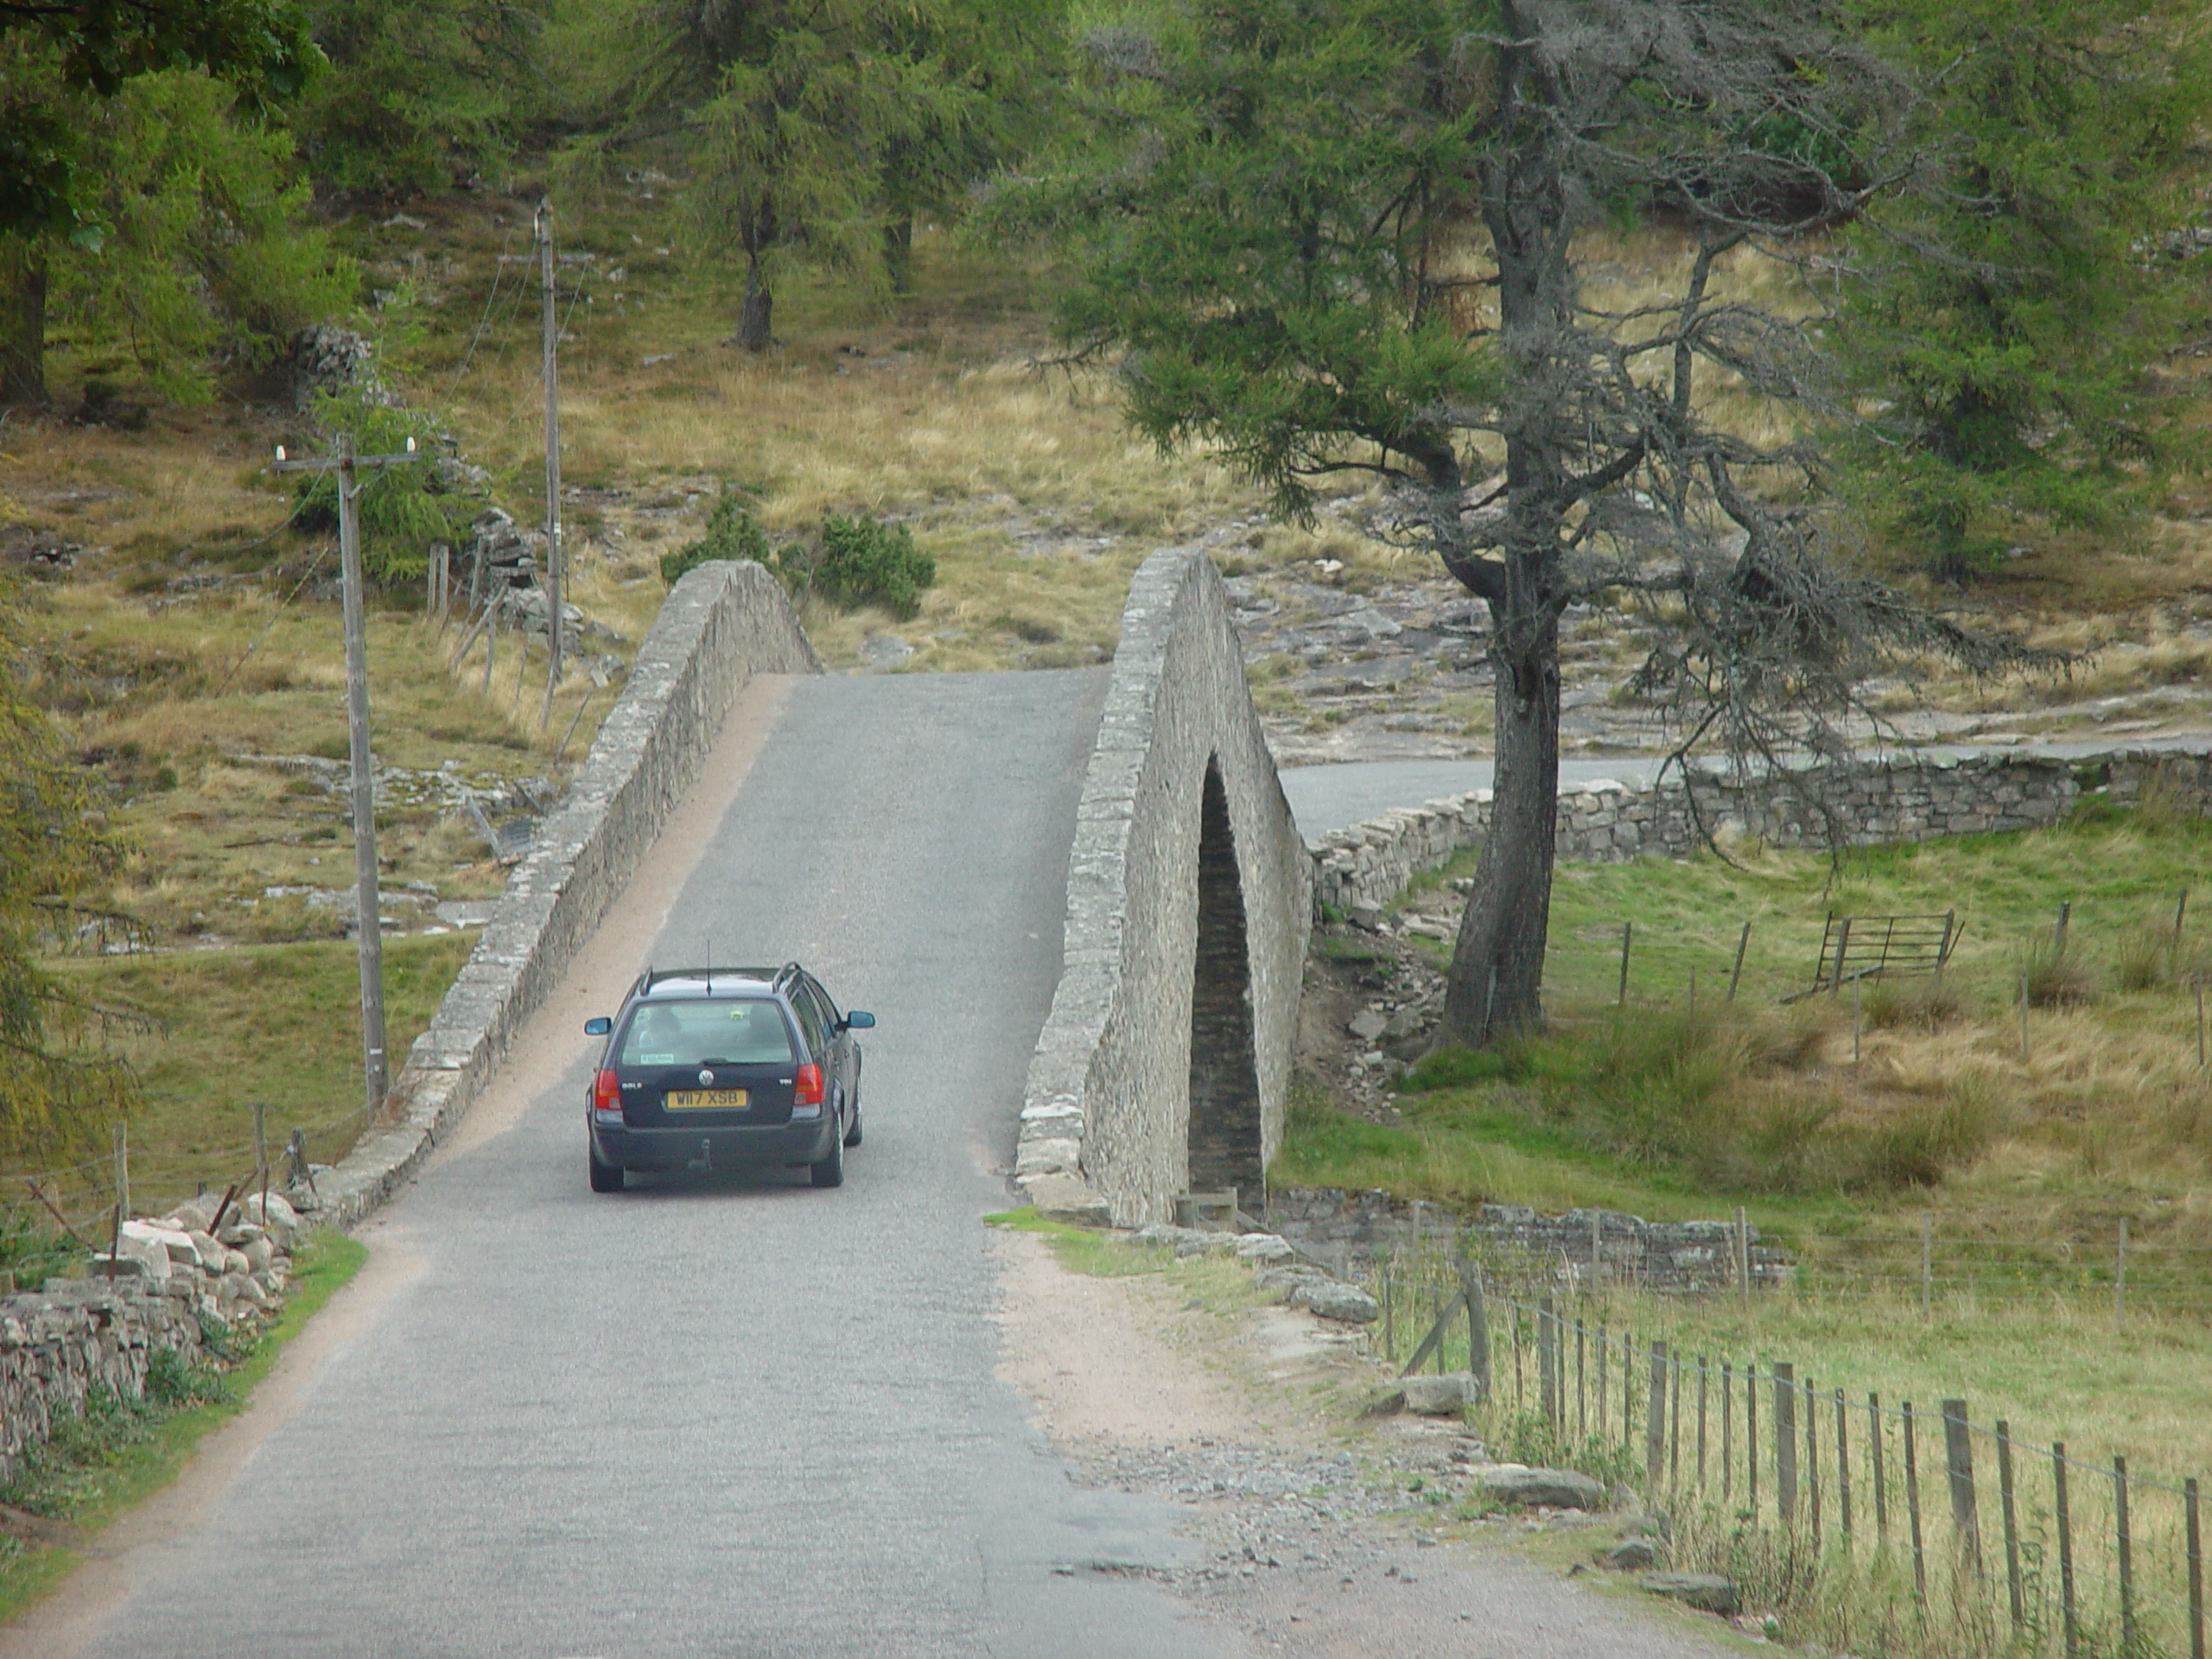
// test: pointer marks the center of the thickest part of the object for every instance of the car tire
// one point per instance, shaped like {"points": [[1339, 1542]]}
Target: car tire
{"points": [[605, 1177], [831, 1171]]}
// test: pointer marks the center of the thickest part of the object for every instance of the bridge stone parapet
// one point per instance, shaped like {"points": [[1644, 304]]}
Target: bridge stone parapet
{"points": [[720, 625], [1165, 1061], [1897, 799]]}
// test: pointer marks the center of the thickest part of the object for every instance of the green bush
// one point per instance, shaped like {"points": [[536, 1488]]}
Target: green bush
{"points": [[731, 534], [862, 562], [402, 509]]}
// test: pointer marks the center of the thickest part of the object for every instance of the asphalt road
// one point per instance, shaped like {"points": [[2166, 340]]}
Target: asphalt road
{"points": [[715, 1414]]}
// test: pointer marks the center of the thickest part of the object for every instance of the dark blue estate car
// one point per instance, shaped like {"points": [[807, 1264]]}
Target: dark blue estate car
{"points": [[713, 1068]]}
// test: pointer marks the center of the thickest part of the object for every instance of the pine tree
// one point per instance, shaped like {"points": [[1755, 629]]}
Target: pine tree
{"points": [[2012, 305], [1332, 238]]}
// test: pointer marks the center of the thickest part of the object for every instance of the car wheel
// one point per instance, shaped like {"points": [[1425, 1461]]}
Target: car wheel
{"points": [[605, 1177], [831, 1172], [853, 1135]]}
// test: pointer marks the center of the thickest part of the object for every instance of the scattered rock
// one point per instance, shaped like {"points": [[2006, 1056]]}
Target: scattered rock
{"points": [[1367, 1024], [1281, 1283], [1515, 1485], [1328, 1299], [1440, 1396], [1632, 1555], [1707, 1591], [1268, 1248]]}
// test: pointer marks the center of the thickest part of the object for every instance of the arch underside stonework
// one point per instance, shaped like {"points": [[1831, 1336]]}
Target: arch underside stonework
{"points": [[1225, 1136]]}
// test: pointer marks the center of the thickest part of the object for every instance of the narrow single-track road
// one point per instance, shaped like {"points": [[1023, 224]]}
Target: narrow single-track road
{"points": [[713, 1414]]}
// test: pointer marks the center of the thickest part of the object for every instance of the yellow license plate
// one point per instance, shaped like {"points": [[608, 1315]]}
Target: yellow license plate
{"points": [[710, 1100]]}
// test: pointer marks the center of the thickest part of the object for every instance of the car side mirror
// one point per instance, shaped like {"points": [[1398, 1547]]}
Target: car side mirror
{"points": [[858, 1019], [598, 1027]]}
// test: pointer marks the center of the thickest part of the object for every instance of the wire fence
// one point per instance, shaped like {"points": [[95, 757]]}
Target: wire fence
{"points": [[49, 1214], [1863, 1518]]}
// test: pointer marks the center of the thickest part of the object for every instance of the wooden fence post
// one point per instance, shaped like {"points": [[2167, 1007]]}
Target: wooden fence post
{"points": [[1547, 1361], [1605, 1369], [1674, 1417], [2011, 1523], [1744, 940], [2065, 1546], [1727, 1426], [1912, 1510], [1785, 1443], [2196, 1548], [1701, 1377], [1581, 1383], [1751, 1439], [1628, 932], [1471, 1286], [1655, 1428], [1958, 1458], [1874, 1443], [1813, 1462], [1743, 1256], [2124, 1539], [1843, 1467]]}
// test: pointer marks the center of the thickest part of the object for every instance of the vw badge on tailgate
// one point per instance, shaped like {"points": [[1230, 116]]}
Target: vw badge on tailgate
{"points": [[705, 1078]]}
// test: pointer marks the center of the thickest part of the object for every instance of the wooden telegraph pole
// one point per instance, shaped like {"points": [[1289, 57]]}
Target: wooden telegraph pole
{"points": [[368, 917], [553, 572]]}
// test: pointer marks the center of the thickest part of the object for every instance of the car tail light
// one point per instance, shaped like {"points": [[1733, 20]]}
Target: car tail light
{"points": [[606, 1096], [807, 1093]]}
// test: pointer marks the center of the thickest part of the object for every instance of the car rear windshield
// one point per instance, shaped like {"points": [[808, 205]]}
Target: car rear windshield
{"points": [[750, 1032]]}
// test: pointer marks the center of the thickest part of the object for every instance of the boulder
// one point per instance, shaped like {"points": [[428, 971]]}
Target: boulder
{"points": [[281, 1221], [1515, 1485], [1067, 1197], [1707, 1591], [258, 1254], [1329, 1300], [1266, 1248], [1281, 1283], [1367, 1024], [1438, 1396], [188, 1218], [155, 1245], [210, 1253], [1632, 1555]]}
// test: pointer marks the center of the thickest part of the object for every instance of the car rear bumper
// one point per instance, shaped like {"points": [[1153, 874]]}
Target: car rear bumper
{"points": [[731, 1147]]}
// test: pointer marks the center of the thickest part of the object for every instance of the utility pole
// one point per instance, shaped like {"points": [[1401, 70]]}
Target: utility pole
{"points": [[368, 917], [553, 561]]}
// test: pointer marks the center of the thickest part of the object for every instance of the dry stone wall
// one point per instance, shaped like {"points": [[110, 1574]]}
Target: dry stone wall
{"points": [[1166, 1059], [170, 1280], [1353, 1230], [1899, 800]]}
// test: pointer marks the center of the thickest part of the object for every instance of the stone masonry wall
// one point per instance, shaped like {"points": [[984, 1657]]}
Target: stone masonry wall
{"points": [[1899, 800], [1107, 1126], [720, 625], [1353, 1230]]}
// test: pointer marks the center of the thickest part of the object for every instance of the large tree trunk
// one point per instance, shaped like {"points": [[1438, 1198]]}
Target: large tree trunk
{"points": [[22, 322], [753, 320], [1496, 979], [899, 253]]}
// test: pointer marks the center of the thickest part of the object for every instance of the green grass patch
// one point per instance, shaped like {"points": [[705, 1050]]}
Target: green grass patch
{"points": [[276, 1023], [123, 1452]]}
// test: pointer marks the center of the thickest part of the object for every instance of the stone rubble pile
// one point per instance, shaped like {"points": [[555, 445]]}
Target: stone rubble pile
{"points": [[170, 1281]]}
